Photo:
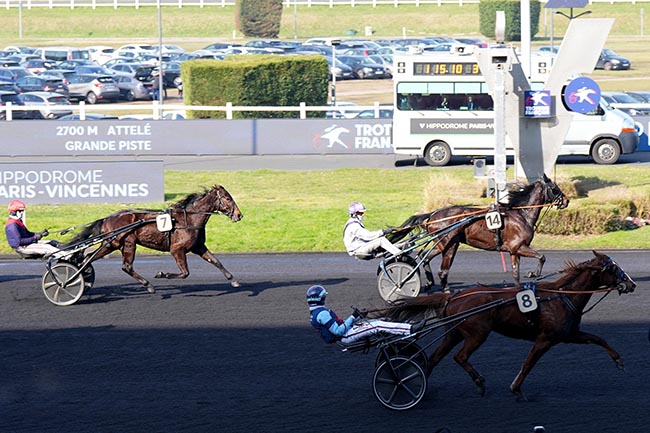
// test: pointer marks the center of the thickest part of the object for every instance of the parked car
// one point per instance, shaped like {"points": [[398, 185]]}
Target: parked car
{"points": [[131, 88], [548, 49], [100, 54], [609, 60], [89, 116], [640, 95], [341, 70], [272, 43], [385, 60], [342, 110], [8, 86], [93, 88], [364, 68], [37, 83], [71, 65], [171, 71], [56, 104], [14, 98], [357, 51], [92, 70], [385, 112], [626, 103], [132, 69], [36, 66], [473, 41], [13, 73]]}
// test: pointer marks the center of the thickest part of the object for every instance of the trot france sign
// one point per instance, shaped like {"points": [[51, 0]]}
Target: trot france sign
{"points": [[83, 182]]}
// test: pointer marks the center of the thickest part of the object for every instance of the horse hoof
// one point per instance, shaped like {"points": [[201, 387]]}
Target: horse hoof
{"points": [[160, 275], [234, 283], [150, 289]]}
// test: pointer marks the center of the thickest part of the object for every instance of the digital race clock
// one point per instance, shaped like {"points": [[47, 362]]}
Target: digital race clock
{"points": [[445, 68]]}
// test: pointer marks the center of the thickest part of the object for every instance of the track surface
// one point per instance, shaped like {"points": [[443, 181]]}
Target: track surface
{"points": [[200, 356]]}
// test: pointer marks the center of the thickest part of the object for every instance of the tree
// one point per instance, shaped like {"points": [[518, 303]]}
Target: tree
{"points": [[259, 18]]}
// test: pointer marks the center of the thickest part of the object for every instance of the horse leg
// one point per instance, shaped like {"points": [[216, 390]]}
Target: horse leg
{"points": [[206, 255], [586, 338], [514, 266], [449, 342], [448, 255], [180, 257], [526, 251], [128, 255], [475, 340], [536, 352]]}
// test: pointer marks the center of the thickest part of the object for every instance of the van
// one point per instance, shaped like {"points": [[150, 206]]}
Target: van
{"points": [[61, 54]]}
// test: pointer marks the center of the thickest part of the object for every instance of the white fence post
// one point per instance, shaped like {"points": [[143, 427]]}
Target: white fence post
{"points": [[229, 110], [303, 110]]}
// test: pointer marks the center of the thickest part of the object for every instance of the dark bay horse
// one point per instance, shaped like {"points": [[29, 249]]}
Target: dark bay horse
{"points": [[560, 306], [189, 217], [519, 218]]}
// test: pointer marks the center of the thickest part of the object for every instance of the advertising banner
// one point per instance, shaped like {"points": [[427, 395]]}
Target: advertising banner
{"points": [[82, 182], [642, 123], [197, 137]]}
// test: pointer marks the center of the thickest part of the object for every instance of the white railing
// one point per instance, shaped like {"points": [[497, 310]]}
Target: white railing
{"points": [[158, 110], [29, 4]]}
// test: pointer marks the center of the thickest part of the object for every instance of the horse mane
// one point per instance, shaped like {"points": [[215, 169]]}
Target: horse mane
{"points": [[569, 272], [520, 195], [413, 309], [194, 197]]}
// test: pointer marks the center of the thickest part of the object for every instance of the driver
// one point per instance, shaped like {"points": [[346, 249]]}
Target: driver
{"points": [[21, 239], [333, 329], [359, 241]]}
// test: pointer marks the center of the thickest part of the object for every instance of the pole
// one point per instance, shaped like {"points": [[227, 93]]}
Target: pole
{"points": [[160, 65], [295, 19], [20, 20], [334, 45]]}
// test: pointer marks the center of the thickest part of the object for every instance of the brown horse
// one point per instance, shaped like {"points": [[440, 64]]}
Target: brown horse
{"points": [[519, 218], [189, 217], [556, 319]]}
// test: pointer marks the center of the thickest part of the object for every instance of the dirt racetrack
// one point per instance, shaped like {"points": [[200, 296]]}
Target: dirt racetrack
{"points": [[201, 356]]}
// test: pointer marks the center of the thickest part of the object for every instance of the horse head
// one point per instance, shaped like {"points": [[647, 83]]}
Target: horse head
{"points": [[613, 275], [554, 194], [214, 200], [224, 203]]}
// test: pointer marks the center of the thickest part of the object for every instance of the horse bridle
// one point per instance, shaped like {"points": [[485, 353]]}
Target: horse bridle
{"points": [[217, 212]]}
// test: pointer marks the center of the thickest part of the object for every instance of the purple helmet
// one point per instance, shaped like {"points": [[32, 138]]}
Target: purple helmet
{"points": [[356, 208]]}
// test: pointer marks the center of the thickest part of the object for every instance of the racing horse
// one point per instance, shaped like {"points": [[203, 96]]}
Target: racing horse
{"points": [[190, 216], [519, 219], [556, 319]]}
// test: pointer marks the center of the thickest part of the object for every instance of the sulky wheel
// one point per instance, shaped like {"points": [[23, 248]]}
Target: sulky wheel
{"points": [[395, 283], [399, 383], [61, 286], [406, 349]]}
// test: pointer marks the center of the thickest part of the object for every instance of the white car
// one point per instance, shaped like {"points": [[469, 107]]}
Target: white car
{"points": [[101, 54]]}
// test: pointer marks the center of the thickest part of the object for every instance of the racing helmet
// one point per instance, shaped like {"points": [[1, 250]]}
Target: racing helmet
{"points": [[316, 295], [15, 206], [355, 208]]}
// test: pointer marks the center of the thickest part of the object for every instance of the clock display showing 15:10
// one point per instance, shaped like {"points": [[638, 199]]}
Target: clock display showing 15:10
{"points": [[445, 68]]}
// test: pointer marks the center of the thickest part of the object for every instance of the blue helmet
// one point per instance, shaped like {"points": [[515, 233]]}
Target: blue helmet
{"points": [[355, 208], [316, 295]]}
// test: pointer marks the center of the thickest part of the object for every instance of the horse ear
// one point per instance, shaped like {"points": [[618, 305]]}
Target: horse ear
{"points": [[546, 179]]}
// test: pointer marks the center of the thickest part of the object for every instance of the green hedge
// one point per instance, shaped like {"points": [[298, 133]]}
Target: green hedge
{"points": [[256, 80], [488, 9]]}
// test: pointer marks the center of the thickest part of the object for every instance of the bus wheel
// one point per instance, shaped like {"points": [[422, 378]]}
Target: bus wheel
{"points": [[437, 154], [606, 152]]}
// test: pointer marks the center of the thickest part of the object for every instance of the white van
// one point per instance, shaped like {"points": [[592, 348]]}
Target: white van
{"points": [[61, 54], [443, 108]]}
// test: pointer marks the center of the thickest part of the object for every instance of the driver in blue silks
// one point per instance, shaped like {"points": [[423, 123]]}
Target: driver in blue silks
{"points": [[21, 239], [333, 329]]}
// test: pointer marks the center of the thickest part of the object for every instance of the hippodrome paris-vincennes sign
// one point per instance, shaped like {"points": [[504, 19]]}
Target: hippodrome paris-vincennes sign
{"points": [[83, 182]]}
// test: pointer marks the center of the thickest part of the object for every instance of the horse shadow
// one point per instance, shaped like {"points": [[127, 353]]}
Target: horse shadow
{"points": [[7, 278], [106, 294]]}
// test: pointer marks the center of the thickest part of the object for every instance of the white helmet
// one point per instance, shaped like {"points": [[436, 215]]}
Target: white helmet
{"points": [[355, 208]]}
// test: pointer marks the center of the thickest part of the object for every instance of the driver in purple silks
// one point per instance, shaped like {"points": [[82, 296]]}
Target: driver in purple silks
{"points": [[361, 242], [333, 329], [21, 239]]}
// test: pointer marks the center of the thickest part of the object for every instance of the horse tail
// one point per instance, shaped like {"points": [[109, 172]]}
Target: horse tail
{"points": [[92, 229], [407, 227], [414, 309]]}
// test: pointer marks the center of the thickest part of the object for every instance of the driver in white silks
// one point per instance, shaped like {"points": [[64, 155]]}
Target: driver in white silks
{"points": [[333, 329], [361, 242]]}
